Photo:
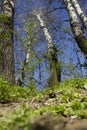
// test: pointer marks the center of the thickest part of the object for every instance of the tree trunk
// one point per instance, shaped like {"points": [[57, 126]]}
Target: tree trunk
{"points": [[80, 12], [6, 41], [55, 75], [76, 28]]}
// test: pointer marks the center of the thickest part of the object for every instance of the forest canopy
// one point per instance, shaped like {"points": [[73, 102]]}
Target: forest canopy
{"points": [[43, 42]]}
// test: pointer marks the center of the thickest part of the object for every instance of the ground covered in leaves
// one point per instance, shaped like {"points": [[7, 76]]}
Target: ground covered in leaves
{"points": [[61, 107]]}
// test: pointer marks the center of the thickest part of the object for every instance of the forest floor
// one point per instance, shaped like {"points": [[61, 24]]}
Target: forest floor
{"points": [[66, 107], [72, 121], [34, 103]]}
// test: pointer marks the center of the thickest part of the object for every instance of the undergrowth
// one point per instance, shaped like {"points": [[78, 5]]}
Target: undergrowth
{"points": [[67, 99], [9, 93]]}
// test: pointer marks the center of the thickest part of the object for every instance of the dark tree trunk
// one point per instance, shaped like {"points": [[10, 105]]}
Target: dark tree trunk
{"points": [[55, 71], [6, 41]]}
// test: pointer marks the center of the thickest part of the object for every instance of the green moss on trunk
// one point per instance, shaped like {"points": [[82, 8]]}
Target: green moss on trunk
{"points": [[55, 71]]}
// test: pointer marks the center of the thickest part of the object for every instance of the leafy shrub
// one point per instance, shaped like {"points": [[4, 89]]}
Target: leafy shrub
{"points": [[15, 93], [17, 120]]}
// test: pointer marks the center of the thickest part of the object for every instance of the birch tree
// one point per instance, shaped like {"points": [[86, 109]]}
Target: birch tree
{"points": [[52, 56], [6, 41], [80, 12], [75, 24], [27, 71]]}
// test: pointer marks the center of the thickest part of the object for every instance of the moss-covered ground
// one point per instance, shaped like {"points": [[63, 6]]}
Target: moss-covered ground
{"points": [[19, 105]]}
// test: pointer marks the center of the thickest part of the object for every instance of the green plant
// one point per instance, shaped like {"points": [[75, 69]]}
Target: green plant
{"points": [[10, 93], [68, 101], [19, 119]]}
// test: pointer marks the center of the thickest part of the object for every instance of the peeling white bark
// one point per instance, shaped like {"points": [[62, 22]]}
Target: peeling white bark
{"points": [[46, 32], [80, 12], [28, 53], [75, 25], [8, 6], [55, 72]]}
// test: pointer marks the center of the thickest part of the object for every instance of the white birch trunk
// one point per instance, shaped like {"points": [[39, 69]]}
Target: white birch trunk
{"points": [[75, 25], [8, 7], [80, 12], [76, 28], [54, 66], [28, 52], [46, 32], [25, 63]]}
